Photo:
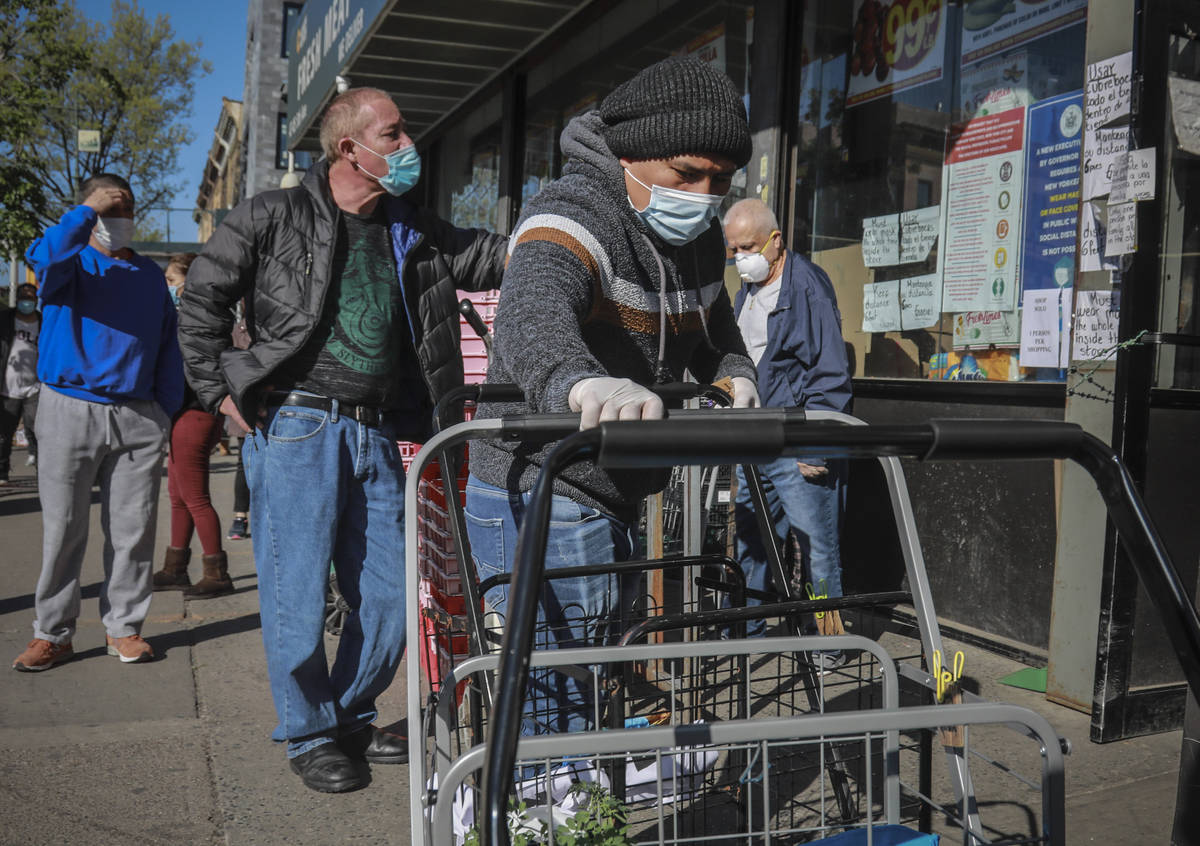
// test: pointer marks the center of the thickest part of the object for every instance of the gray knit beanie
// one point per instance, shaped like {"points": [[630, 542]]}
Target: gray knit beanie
{"points": [[676, 107]]}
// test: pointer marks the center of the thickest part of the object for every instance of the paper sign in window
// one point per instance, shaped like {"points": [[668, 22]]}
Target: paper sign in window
{"points": [[1122, 229], [920, 301], [881, 307], [1046, 328], [1095, 326], [881, 240], [918, 231]]}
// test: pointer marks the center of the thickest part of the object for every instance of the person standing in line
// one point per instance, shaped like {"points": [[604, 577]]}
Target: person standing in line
{"points": [[194, 434], [351, 305], [109, 361], [19, 330], [788, 315]]}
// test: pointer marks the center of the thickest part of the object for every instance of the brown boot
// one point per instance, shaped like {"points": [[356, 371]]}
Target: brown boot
{"points": [[173, 575], [216, 581]]}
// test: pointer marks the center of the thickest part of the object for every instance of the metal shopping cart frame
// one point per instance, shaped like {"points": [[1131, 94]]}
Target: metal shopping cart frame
{"points": [[552, 427], [764, 435]]}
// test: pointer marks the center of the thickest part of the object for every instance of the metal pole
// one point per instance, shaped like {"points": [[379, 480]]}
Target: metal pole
{"points": [[14, 277]]}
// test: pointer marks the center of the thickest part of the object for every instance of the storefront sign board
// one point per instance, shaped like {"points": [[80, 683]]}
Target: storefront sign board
{"points": [[326, 38], [920, 301], [996, 26], [982, 186], [881, 306], [896, 45], [1046, 328], [1052, 177], [1095, 326]]}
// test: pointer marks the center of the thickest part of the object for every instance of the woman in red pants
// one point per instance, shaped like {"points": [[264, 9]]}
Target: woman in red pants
{"points": [[194, 435]]}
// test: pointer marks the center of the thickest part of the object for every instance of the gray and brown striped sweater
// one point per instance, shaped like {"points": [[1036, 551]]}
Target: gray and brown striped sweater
{"points": [[581, 298]]}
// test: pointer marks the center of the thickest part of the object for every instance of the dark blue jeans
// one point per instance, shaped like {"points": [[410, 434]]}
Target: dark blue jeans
{"points": [[584, 611], [326, 488], [812, 510]]}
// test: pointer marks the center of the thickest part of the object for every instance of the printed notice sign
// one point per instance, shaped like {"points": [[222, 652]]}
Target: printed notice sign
{"points": [[881, 240], [991, 27], [982, 187], [920, 301], [1103, 150], [896, 46], [1052, 192], [985, 329], [1122, 229], [881, 306], [1095, 327], [1108, 89], [918, 231], [1046, 328]]}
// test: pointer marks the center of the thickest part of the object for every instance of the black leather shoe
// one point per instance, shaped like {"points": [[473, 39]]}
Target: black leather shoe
{"points": [[376, 746], [327, 769]]}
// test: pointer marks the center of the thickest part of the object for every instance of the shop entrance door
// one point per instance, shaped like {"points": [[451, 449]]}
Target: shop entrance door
{"points": [[1157, 393]]}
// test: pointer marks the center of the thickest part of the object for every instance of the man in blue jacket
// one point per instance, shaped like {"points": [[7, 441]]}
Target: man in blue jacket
{"points": [[788, 314], [109, 361]]}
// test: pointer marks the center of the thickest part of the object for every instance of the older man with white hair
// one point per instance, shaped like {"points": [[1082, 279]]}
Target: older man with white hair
{"points": [[787, 312]]}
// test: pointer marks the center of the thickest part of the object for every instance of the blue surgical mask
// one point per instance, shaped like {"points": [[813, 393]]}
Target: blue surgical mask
{"points": [[27, 306], [173, 290], [404, 168], [678, 217]]}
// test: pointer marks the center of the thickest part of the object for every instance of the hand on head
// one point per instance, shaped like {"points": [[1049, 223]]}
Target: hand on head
{"points": [[107, 201]]}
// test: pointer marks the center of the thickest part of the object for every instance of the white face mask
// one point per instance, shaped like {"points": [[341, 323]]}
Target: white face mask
{"points": [[114, 233], [754, 267]]}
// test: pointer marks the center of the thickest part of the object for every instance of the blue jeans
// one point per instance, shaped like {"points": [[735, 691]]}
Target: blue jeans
{"points": [[326, 488], [583, 611], [811, 510]]}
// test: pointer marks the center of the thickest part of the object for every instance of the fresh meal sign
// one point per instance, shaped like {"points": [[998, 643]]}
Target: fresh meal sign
{"points": [[896, 45]]}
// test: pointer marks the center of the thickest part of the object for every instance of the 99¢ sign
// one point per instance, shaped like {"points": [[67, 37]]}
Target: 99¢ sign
{"points": [[896, 45]]}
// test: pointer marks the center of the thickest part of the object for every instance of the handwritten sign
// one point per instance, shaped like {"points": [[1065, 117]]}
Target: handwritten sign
{"points": [[918, 232], [1095, 326], [1091, 242], [920, 301], [1108, 89], [1122, 229], [881, 240], [1102, 150], [1185, 112], [1045, 328], [1139, 174], [881, 307]]}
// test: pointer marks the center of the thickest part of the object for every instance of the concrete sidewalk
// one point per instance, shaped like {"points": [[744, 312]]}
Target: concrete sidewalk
{"points": [[177, 751]]}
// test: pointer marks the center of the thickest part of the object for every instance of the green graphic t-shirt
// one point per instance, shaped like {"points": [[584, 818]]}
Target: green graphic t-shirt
{"points": [[362, 349]]}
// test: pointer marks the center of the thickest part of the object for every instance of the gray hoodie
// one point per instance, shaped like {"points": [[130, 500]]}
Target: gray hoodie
{"points": [[581, 298]]}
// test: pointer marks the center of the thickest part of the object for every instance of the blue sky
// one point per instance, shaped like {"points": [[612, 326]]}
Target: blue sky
{"points": [[221, 26]]}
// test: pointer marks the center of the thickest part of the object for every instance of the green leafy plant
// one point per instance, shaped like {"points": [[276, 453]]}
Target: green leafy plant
{"points": [[602, 821]]}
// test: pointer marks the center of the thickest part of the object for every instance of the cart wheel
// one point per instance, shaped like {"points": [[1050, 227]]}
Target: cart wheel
{"points": [[336, 607]]}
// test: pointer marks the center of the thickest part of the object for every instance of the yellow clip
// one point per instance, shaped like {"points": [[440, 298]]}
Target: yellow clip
{"points": [[812, 594], [944, 678]]}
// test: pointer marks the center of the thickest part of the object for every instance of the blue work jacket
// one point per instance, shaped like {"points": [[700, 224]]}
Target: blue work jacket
{"points": [[804, 364]]}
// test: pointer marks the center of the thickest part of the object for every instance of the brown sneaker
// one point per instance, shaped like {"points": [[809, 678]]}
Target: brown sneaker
{"points": [[42, 655], [131, 650]]}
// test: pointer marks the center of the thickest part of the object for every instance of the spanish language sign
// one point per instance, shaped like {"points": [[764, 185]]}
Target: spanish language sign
{"points": [[995, 26], [982, 186], [920, 301], [1108, 89], [1052, 192], [896, 45]]}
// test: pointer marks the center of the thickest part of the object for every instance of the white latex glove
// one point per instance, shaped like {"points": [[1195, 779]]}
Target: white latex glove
{"points": [[602, 398], [745, 395]]}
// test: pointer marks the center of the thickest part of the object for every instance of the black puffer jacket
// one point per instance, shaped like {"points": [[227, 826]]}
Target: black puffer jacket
{"points": [[276, 250]]}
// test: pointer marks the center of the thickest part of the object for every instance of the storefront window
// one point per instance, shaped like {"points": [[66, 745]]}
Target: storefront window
{"points": [[1179, 364], [469, 170], [585, 68], [939, 150]]}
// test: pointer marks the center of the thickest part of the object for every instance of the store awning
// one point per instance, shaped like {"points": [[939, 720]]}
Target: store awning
{"points": [[428, 56]]}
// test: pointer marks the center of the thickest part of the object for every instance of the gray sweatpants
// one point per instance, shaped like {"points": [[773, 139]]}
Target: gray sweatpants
{"points": [[121, 448]]}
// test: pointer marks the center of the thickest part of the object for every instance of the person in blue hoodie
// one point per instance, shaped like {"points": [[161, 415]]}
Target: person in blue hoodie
{"points": [[112, 376], [787, 312]]}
